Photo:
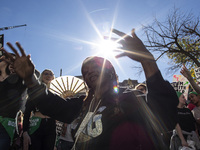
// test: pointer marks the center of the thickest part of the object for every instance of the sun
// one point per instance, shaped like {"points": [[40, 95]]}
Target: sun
{"points": [[106, 47]]}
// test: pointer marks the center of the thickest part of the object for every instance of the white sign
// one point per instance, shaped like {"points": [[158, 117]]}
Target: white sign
{"points": [[180, 84], [197, 73]]}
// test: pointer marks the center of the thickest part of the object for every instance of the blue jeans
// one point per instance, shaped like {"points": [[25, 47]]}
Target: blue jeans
{"points": [[4, 139]]}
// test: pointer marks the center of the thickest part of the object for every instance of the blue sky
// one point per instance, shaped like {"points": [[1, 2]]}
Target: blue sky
{"points": [[59, 33]]}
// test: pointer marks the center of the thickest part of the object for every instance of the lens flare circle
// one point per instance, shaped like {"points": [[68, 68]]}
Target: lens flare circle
{"points": [[116, 89]]}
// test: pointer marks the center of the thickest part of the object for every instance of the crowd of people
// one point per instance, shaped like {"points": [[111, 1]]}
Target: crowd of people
{"points": [[107, 117]]}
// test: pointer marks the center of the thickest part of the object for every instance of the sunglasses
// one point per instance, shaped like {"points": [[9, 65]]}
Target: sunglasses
{"points": [[46, 74]]}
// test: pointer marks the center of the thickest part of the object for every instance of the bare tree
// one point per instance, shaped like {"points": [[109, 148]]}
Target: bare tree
{"points": [[178, 37]]}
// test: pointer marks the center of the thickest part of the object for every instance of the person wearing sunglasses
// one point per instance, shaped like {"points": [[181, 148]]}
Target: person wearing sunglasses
{"points": [[39, 131]]}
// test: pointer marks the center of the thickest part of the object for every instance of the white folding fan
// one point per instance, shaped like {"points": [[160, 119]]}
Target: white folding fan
{"points": [[67, 86]]}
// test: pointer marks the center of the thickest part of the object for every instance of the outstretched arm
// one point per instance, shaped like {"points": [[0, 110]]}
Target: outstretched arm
{"points": [[48, 103], [22, 65], [186, 73], [162, 98]]}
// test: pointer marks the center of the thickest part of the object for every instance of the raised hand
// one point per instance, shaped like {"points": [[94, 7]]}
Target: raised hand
{"points": [[185, 72], [22, 64], [133, 47]]}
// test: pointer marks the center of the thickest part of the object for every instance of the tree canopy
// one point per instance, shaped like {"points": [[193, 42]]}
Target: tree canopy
{"points": [[178, 37]]}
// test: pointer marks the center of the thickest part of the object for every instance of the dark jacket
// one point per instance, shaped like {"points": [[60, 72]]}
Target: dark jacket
{"points": [[128, 122], [11, 91]]}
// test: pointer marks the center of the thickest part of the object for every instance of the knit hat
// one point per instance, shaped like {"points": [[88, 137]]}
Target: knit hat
{"points": [[179, 94], [195, 93]]}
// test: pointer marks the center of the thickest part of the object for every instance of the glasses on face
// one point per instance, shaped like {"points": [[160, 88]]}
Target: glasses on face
{"points": [[48, 74]]}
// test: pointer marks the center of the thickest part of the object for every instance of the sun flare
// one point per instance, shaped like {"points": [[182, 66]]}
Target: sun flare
{"points": [[107, 47]]}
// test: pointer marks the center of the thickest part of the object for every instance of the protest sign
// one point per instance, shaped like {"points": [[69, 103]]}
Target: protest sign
{"points": [[197, 74], [180, 84]]}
